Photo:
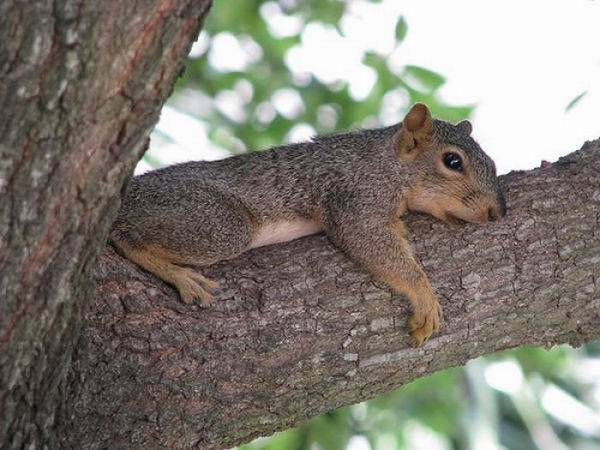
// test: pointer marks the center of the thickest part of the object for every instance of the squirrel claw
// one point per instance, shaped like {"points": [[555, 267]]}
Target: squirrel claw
{"points": [[423, 324]]}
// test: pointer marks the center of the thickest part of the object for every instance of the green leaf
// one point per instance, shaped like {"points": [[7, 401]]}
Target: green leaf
{"points": [[575, 100], [429, 79], [328, 12], [330, 431], [401, 29]]}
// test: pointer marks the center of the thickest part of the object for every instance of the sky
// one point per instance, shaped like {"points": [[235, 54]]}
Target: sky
{"points": [[520, 62]]}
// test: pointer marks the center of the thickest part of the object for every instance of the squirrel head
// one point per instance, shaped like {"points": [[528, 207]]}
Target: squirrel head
{"points": [[454, 179]]}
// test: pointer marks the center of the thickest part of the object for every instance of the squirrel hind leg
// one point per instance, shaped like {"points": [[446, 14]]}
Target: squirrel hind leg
{"points": [[190, 284]]}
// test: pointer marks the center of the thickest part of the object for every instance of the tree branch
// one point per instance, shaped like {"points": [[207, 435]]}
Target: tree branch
{"points": [[298, 330]]}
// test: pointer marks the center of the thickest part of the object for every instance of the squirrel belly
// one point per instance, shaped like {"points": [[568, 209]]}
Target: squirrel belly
{"points": [[284, 231]]}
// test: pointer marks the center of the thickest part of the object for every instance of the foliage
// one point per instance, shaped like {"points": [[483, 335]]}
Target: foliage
{"points": [[575, 101], [240, 102]]}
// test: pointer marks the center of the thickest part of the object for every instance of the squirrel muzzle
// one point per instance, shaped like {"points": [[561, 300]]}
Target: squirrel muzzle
{"points": [[451, 207]]}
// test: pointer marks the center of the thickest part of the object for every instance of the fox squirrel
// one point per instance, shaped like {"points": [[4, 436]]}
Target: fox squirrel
{"points": [[355, 187]]}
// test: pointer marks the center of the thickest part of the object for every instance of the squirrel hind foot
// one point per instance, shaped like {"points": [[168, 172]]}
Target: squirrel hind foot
{"points": [[163, 263], [191, 285]]}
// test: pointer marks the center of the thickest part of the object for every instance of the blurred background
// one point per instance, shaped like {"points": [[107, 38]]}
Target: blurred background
{"points": [[527, 74]]}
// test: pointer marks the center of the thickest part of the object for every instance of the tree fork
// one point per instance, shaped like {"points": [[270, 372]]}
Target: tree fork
{"points": [[298, 330]]}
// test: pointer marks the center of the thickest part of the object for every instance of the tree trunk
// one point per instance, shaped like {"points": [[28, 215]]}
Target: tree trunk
{"points": [[81, 86], [298, 330]]}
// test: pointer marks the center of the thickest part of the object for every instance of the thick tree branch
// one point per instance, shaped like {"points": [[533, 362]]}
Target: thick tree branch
{"points": [[298, 330]]}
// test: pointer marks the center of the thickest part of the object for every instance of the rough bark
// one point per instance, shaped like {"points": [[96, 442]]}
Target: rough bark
{"points": [[81, 85], [298, 330]]}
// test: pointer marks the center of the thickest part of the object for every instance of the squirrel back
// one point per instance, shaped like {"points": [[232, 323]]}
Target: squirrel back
{"points": [[294, 181]]}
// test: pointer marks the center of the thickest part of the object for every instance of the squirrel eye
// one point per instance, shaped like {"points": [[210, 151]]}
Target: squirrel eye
{"points": [[453, 162]]}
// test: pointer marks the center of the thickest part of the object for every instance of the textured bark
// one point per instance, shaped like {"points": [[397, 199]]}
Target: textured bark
{"points": [[81, 85], [298, 330]]}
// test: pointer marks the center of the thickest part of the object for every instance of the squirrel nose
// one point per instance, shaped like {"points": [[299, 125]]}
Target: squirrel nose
{"points": [[493, 214], [501, 204], [498, 210]]}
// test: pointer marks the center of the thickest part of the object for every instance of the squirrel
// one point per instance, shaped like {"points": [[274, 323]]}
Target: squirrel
{"points": [[355, 187]]}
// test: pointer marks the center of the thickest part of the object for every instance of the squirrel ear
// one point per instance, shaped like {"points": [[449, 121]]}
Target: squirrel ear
{"points": [[465, 126], [418, 120], [416, 126]]}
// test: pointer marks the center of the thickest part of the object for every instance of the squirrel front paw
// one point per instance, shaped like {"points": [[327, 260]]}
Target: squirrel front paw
{"points": [[425, 321]]}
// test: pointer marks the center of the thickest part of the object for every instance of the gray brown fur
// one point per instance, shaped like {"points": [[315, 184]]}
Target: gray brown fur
{"points": [[356, 185]]}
